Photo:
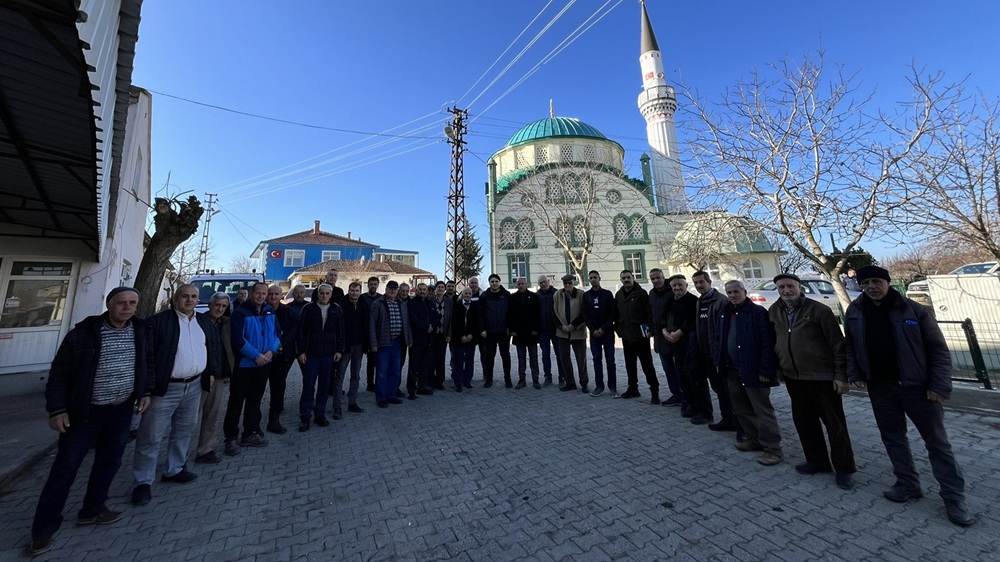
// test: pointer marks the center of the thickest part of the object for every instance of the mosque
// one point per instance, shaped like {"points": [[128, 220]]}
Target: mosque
{"points": [[559, 201]]}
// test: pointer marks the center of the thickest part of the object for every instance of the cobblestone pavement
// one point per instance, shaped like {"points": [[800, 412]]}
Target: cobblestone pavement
{"points": [[497, 474]]}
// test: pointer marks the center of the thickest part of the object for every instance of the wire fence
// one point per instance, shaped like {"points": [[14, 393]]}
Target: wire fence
{"points": [[975, 351]]}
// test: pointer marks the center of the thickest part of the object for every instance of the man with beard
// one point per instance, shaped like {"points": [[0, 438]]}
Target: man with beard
{"points": [[370, 361], [632, 325]]}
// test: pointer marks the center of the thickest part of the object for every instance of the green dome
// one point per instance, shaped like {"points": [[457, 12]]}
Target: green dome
{"points": [[554, 127]]}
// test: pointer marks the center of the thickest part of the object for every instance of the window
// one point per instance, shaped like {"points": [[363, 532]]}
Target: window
{"points": [[712, 269], [621, 228], [126, 273], [330, 255], [824, 287], [541, 155], [516, 234], [590, 153], [569, 266], [565, 153], [517, 265], [614, 196], [752, 269], [36, 294], [635, 261], [630, 230], [520, 162], [638, 228], [580, 233], [295, 258]]}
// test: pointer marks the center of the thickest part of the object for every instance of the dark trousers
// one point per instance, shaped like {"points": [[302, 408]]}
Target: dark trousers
{"points": [[417, 374], [639, 350], [547, 341], [370, 363], [438, 350], [106, 431], [276, 380], [892, 404], [602, 350], [246, 390], [527, 355], [693, 386], [579, 348], [753, 408], [463, 361], [494, 341], [315, 386], [705, 369], [816, 404]]}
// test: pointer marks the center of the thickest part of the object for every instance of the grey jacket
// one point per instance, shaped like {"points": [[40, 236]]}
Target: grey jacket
{"points": [[378, 325]]}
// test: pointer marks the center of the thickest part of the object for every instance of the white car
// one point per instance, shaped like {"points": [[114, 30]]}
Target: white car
{"points": [[919, 291], [765, 293]]}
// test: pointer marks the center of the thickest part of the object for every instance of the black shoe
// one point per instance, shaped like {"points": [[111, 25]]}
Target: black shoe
{"points": [[400, 393], [274, 426], [458, 388], [370, 388], [208, 458], [687, 413], [631, 394], [321, 421], [337, 414], [584, 389], [253, 440], [426, 391], [394, 401], [412, 397], [520, 385], [548, 381], [957, 513], [845, 481], [810, 468], [487, 384], [142, 494], [901, 493], [567, 387], [105, 517], [355, 409], [655, 400], [723, 425], [701, 420], [40, 544], [467, 385], [382, 404], [232, 447], [508, 383], [304, 425], [183, 477], [536, 385], [674, 400]]}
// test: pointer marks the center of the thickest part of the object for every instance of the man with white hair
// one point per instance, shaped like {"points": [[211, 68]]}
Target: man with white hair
{"points": [[547, 330], [211, 400]]}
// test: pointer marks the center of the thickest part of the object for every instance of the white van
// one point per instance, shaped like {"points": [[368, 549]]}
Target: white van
{"points": [[230, 283]]}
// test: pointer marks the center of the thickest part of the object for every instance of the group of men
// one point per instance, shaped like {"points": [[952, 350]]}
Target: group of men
{"points": [[172, 369]]}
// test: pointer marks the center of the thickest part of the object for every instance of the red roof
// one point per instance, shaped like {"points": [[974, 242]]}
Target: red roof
{"points": [[319, 239], [368, 266]]}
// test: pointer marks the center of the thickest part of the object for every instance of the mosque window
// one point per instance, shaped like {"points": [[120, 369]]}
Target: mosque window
{"points": [[752, 269], [508, 233], [580, 230], [565, 153], [589, 153], [621, 229], [520, 162], [635, 261], [517, 265], [562, 229], [525, 234], [613, 196], [541, 155], [630, 230]]}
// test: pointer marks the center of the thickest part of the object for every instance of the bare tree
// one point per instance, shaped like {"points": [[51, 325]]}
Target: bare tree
{"points": [[241, 264], [791, 261], [795, 148], [959, 177], [175, 221], [935, 257], [710, 238]]}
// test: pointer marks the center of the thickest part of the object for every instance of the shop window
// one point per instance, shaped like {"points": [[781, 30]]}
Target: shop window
{"points": [[36, 294]]}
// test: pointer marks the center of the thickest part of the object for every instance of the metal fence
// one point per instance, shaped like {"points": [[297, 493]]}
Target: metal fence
{"points": [[975, 351]]}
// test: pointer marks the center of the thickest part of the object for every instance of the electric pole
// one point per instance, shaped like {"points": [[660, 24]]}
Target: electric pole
{"points": [[457, 224], [203, 252]]}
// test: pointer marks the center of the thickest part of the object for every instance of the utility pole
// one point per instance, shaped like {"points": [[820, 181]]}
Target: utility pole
{"points": [[457, 224], [203, 252]]}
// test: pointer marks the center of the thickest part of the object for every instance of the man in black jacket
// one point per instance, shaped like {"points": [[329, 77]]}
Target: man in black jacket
{"points": [[493, 325], [522, 324], [418, 371], [371, 356], [355, 337], [599, 311], [678, 327], [277, 377], [212, 399], [702, 350], [320, 345], [186, 351], [101, 374], [331, 280]]}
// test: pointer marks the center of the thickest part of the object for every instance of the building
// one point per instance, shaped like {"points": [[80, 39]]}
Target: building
{"points": [[361, 271], [76, 187], [559, 201]]}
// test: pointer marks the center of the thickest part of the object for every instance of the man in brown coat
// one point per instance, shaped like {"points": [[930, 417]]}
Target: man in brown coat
{"points": [[571, 332]]}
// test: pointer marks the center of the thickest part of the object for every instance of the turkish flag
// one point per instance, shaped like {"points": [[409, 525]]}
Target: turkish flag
{"points": [[649, 75], [275, 253]]}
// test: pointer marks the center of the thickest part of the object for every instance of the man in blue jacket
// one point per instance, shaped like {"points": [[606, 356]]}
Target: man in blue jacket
{"points": [[896, 350], [744, 352], [255, 341]]}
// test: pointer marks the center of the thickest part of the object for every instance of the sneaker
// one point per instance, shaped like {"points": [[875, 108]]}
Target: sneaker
{"points": [[394, 401], [183, 477], [901, 493], [520, 385], [253, 440], [467, 385], [631, 394], [845, 481], [458, 388], [232, 447], [584, 389], [426, 391], [337, 414], [274, 426], [597, 391], [770, 459], [700, 420], [105, 517], [303, 425], [208, 458], [749, 446], [355, 409], [142, 494], [508, 383], [957, 514], [674, 400], [321, 421], [614, 394], [40, 544], [412, 396], [488, 384], [810, 468], [537, 385]]}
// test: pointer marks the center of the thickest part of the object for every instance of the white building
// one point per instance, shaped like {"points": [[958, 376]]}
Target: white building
{"points": [[558, 202], [75, 195]]}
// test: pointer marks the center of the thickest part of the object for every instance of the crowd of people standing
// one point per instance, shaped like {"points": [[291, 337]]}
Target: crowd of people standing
{"points": [[172, 369]]}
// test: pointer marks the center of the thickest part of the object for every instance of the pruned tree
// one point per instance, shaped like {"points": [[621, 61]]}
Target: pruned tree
{"points": [[798, 148], [175, 222], [958, 179]]}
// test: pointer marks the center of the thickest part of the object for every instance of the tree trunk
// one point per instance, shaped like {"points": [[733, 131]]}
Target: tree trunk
{"points": [[172, 228]]}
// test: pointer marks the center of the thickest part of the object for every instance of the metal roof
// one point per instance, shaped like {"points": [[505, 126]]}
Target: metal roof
{"points": [[555, 127], [648, 40], [48, 135]]}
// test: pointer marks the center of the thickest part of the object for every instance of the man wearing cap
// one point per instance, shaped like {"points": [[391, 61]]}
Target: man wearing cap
{"points": [[101, 374], [896, 350], [809, 348], [571, 332], [388, 333], [211, 400], [186, 352], [744, 352]]}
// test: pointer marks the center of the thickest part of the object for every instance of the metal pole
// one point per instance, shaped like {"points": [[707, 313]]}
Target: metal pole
{"points": [[456, 195]]}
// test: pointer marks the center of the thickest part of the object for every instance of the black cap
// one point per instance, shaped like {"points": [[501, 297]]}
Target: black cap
{"points": [[392, 285], [116, 290], [781, 276], [872, 272], [568, 277]]}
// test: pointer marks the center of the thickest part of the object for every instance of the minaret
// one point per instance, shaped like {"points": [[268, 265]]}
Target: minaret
{"points": [[657, 103]]}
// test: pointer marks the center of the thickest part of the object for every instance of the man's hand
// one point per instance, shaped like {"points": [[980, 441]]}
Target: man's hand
{"points": [[302, 359], [859, 384], [261, 360], [143, 404], [336, 357], [762, 378], [268, 356], [841, 387], [512, 334], [59, 423], [482, 335], [596, 333], [935, 397]]}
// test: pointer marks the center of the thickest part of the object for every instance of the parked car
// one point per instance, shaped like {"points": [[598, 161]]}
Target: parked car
{"points": [[765, 293], [920, 292], [210, 283]]}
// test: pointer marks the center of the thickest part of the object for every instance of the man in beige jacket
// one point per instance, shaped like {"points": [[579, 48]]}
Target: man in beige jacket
{"points": [[571, 331]]}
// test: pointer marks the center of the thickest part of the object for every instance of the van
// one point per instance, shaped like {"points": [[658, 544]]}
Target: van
{"points": [[230, 283]]}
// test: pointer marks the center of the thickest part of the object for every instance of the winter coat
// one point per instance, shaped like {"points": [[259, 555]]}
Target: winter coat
{"points": [[378, 324], [812, 347], [316, 338], [658, 303], [166, 336], [522, 318], [754, 342], [420, 320], [710, 307], [288, 328], [464, 322], [599, 310], [253, 333], [356, 317], [633, 311], [546, 318], [575, 318], [493, 311], [924, 360]]}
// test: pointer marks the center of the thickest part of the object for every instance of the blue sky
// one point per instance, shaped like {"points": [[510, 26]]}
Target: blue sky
{"points": [[396, 65]]}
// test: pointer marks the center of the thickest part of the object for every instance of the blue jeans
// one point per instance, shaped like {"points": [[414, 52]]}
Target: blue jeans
{"points": [[463, 357], [178, 411], [546, 341], [605, 343], [673, 376], [315, 385], [107, 432], [387, 370]]}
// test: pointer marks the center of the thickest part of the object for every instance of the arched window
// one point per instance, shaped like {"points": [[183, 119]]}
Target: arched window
{"points": [[580, 231], [752, 269], [508, 233], [525, 234], [621, 228], [637, 228]]}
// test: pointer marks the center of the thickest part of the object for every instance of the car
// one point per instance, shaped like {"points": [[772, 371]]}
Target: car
{"points": [[230, 283], [765, 293], [920, 291]]}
